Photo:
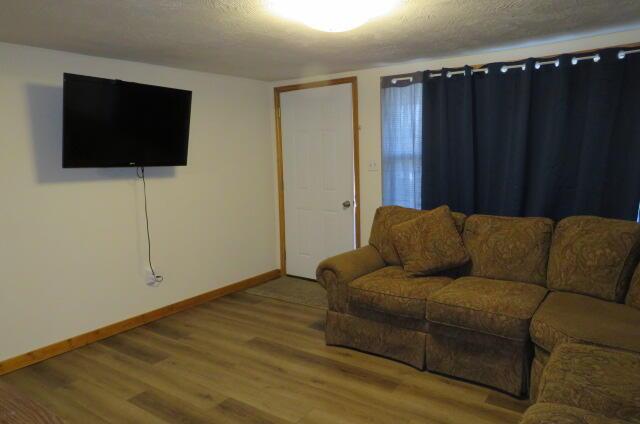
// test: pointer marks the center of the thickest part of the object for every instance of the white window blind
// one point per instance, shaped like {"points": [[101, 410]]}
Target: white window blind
{"points": [[401, 106]]}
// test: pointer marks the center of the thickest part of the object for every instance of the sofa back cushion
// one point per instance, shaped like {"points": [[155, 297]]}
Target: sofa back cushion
{"points": [[633, 295], [594, 256], [388, 216], [506, 248]]}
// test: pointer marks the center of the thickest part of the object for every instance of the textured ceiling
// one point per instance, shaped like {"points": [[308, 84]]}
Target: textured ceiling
{"points": [[239, 37]]}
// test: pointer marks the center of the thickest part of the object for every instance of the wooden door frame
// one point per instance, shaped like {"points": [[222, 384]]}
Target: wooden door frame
{"points": [[280, 164]]}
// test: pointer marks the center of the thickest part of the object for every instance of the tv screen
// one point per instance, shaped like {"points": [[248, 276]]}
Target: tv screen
{"points": [[113, 123]]}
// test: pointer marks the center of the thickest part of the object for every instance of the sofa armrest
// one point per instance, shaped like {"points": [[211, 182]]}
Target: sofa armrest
{"points": [[336, 272]]}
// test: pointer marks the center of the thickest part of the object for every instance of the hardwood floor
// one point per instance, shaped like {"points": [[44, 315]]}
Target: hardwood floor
{"points": [[16, 408], [247, 359]]}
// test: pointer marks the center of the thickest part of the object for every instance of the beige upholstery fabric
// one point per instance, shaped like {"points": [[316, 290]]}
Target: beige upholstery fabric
{"points": [[350, 265], [536, 374], [430, 243], [392, 291], [478, 357], [598, 379], [336, 272], [594, 256], [633, 296], [553, 413], [382, 339], [502, 308], [569, 317], [388, 216], [507, 248], [540, 360], [416, 324], [541, 354]]}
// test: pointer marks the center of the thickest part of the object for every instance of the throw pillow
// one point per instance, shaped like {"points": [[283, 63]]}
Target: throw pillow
{"points": [[429, 243]]}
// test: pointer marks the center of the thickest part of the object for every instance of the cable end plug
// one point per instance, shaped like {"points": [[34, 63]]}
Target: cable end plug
{"points": [[153, 279]]}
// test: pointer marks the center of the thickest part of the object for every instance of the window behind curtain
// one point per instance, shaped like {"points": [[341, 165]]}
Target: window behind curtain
{"points": [[401, 109]]}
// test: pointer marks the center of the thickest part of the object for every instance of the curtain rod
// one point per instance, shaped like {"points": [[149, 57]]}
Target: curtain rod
{"points": [[547, 62], [396, 80], [623, 53], [461, 72], [633, 48], [538, 64]]}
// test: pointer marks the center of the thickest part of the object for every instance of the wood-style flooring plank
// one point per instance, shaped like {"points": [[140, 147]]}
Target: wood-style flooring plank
{"points": [[161, 328], [504, 401], [76, 366], [323, 365], [234, 411], [248, 359], [108, 405], [66, 407], [135, 349], [16, 408], [174, 383], [270, 383], [170, 408]]}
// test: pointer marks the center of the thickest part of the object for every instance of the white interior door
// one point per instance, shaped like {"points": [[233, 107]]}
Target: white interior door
{"points": [[317, 145]]}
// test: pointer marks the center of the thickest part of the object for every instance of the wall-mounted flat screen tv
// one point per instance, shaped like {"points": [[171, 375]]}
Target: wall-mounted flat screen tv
{"points": [[113, 123]]}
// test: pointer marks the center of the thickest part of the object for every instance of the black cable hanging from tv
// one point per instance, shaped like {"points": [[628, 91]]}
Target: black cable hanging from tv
{"points": [[157, 279]]}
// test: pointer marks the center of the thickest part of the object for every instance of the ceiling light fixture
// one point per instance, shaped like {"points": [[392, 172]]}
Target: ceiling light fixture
{"points": [[331, 15]]}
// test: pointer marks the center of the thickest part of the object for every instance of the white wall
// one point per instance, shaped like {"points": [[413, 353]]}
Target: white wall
{"points": [[369, 99], [72, 241]]}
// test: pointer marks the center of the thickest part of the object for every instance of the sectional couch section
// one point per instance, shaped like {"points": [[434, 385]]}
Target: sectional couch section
{"points": [[530, 286]]}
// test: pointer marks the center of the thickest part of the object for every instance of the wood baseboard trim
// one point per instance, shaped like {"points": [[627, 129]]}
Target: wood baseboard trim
{"points": [[54, 349]]}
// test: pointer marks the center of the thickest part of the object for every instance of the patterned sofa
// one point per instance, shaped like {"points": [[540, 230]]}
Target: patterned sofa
{"points": [[529, 287], [588, 384], [592, 300]]}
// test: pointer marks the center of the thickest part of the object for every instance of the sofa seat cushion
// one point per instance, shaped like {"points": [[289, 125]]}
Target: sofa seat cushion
{"points": [[553, 413], [430, 243], [388, 216], [499, 307], [595, 378], [392, 291], [506, 248], [594, 256], [570, 317]]}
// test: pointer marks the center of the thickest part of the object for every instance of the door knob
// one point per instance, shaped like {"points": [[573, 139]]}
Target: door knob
{"points": [[346, 204]]}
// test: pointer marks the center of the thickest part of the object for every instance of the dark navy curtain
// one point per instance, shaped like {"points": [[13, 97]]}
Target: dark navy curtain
{"points": [[554, 141]]}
